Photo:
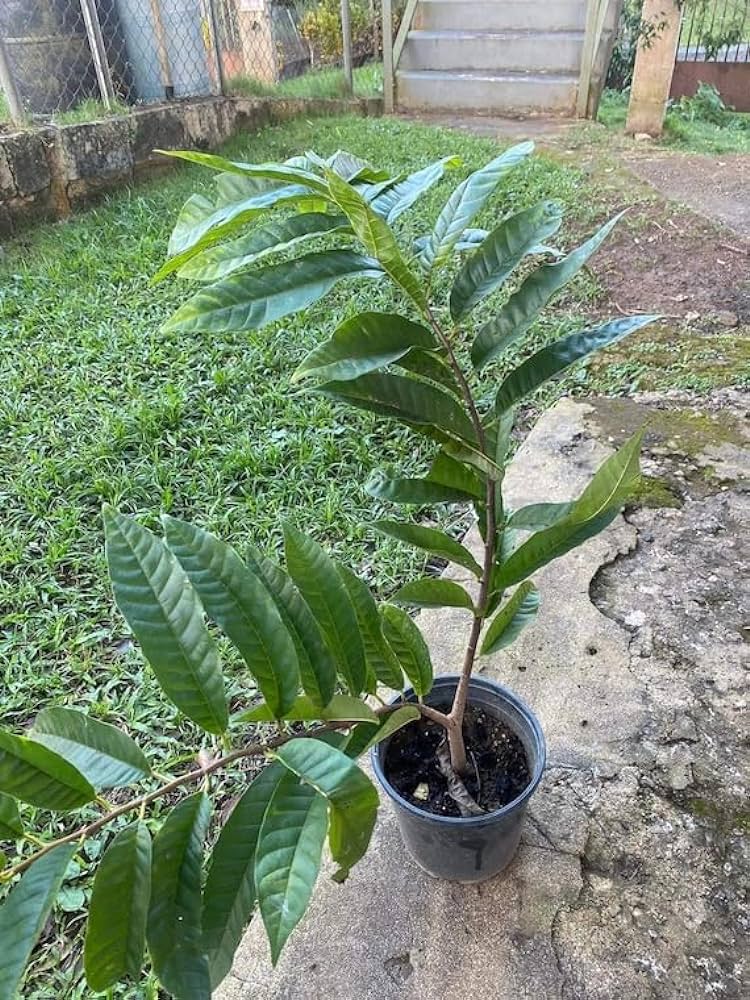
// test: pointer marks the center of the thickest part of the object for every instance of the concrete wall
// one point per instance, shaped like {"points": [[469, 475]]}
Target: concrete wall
{"points": [[50, 172], [731, 79]]}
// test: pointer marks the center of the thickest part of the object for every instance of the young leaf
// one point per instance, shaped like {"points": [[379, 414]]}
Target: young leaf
{"points": [[106, 756], [538, 515], [320, 585], [433, 592], [556, 357], [241, 606], [512, 619], [11, 827], [270, 171], [116, 931], [287, 859], [522, 308], [378, 653], [229, 895], [316, 665], [422, 492], [362, 344], [407, 643], [431, 540], [31, 773], [469, 198], [340, 708], [500, 253], [155, 596], [351, 795], [174, 932], [400, 197], [366, 736], [24, 912]]}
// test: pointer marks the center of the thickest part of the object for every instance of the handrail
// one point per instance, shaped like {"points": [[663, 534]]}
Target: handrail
{"points": [[392, 51], [403, 31], [596, 13]]}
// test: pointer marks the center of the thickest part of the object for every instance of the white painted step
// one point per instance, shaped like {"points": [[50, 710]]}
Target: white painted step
{"points": [[499, 92], [500, 15], [495, 51]]}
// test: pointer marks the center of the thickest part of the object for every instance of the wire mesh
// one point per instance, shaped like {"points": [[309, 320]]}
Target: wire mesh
{"points": [[159, 50], [715, 31]]}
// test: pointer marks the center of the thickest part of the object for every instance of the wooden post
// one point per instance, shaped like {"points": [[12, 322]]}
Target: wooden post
{"points": [[595, 13], [161, 48], [654, 67], [213, 32], [346, 42], [98, 52], [8, 85], [388, 82]]}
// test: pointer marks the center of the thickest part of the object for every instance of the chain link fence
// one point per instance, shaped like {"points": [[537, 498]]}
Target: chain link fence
{"points": [[75, 60]]}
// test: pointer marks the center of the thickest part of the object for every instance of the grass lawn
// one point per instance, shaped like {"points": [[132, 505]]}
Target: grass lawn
{"points": [[317, 84]]}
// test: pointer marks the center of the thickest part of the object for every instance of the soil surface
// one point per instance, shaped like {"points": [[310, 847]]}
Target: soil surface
{"points": [[501, 770]]}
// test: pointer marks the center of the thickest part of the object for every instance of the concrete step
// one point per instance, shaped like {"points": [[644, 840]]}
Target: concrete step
{"points": [[498, 92], [515, 51], [500, 15]]}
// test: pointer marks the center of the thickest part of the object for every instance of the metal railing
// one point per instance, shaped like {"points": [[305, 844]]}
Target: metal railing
{"points": [[715, 31]]}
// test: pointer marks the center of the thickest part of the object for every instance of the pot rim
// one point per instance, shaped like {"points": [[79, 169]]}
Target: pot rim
{"points": [[504, 694]]}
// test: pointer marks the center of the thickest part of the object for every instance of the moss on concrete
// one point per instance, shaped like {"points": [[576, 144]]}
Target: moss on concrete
{"points": [[651, 491]]}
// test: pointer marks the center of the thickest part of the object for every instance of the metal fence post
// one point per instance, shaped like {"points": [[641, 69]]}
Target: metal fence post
{"points": [[98, 52], [387, 57], [346, 38], [213, 30], [8, 85]]}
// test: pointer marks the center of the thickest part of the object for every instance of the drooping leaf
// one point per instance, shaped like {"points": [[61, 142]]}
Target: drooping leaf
{"points": [[231, 187], [229, 895], [414, 491], [174, 932], [407, 643], [522, 308], [431, 540], [287, 860], [429, 364], [362, 344], [315, 575], [399, 198], [116, 931], [217, 262], [433, 592], [340, 708], [160, 605], [242, 607], [512, 618], [353, 168], [378, 654], [500, 253], [538, 515], [466, 201], [316, 665], [249, 301], [469, 241], [353, 800], [31, 773], [271, 171], [11, 827], [24, 912], [365, 735], [376, 237]]}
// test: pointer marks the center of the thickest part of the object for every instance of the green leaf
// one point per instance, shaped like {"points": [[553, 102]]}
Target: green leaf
{"points": [[512, 619], [522, 308], [429, 364], [351, 796], [340, 708], [287, 861], [399, 198], [431, 540], [448, 471], [501, 252], [538, 515], [556, 357], [433, 592], [229, 895], [378, 653], [316, 665], [24, 912], [11, 827], [407, 643], [190, 220], [249, 301], [216, 262], [363, 344], [376, 237], [320, 585], [270, 171], [422, 492], [116, 931], [367, 736], [155, 596], [242, 607], [469, 241], [597, 507], [31, 773], [469, 198], [174, 932], [407, 400], [106, 756]]}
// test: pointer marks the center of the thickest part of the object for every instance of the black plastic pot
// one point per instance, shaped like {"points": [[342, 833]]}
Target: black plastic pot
{"points": [[473, 848]]}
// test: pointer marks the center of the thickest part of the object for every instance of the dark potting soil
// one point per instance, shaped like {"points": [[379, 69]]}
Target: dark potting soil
{"points": [[499, 769]]}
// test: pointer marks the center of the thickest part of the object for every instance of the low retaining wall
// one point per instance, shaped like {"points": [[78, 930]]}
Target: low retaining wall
{"points": [[731, 79], [50, 172]]}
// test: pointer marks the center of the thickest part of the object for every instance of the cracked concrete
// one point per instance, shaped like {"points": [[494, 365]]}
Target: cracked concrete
{"points": [[631, 880]]}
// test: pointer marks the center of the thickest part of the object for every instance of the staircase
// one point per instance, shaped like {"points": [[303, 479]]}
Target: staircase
{"points": [[493, 56]]}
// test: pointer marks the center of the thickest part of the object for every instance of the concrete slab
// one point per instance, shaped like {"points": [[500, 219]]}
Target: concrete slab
{"points": [[629, 882]]}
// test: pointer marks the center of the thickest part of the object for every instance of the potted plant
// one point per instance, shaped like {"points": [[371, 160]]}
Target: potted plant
{"points": [[458, 756]]}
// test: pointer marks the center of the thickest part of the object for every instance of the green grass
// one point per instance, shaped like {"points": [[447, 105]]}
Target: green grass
{"points": [[317, 84]]}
